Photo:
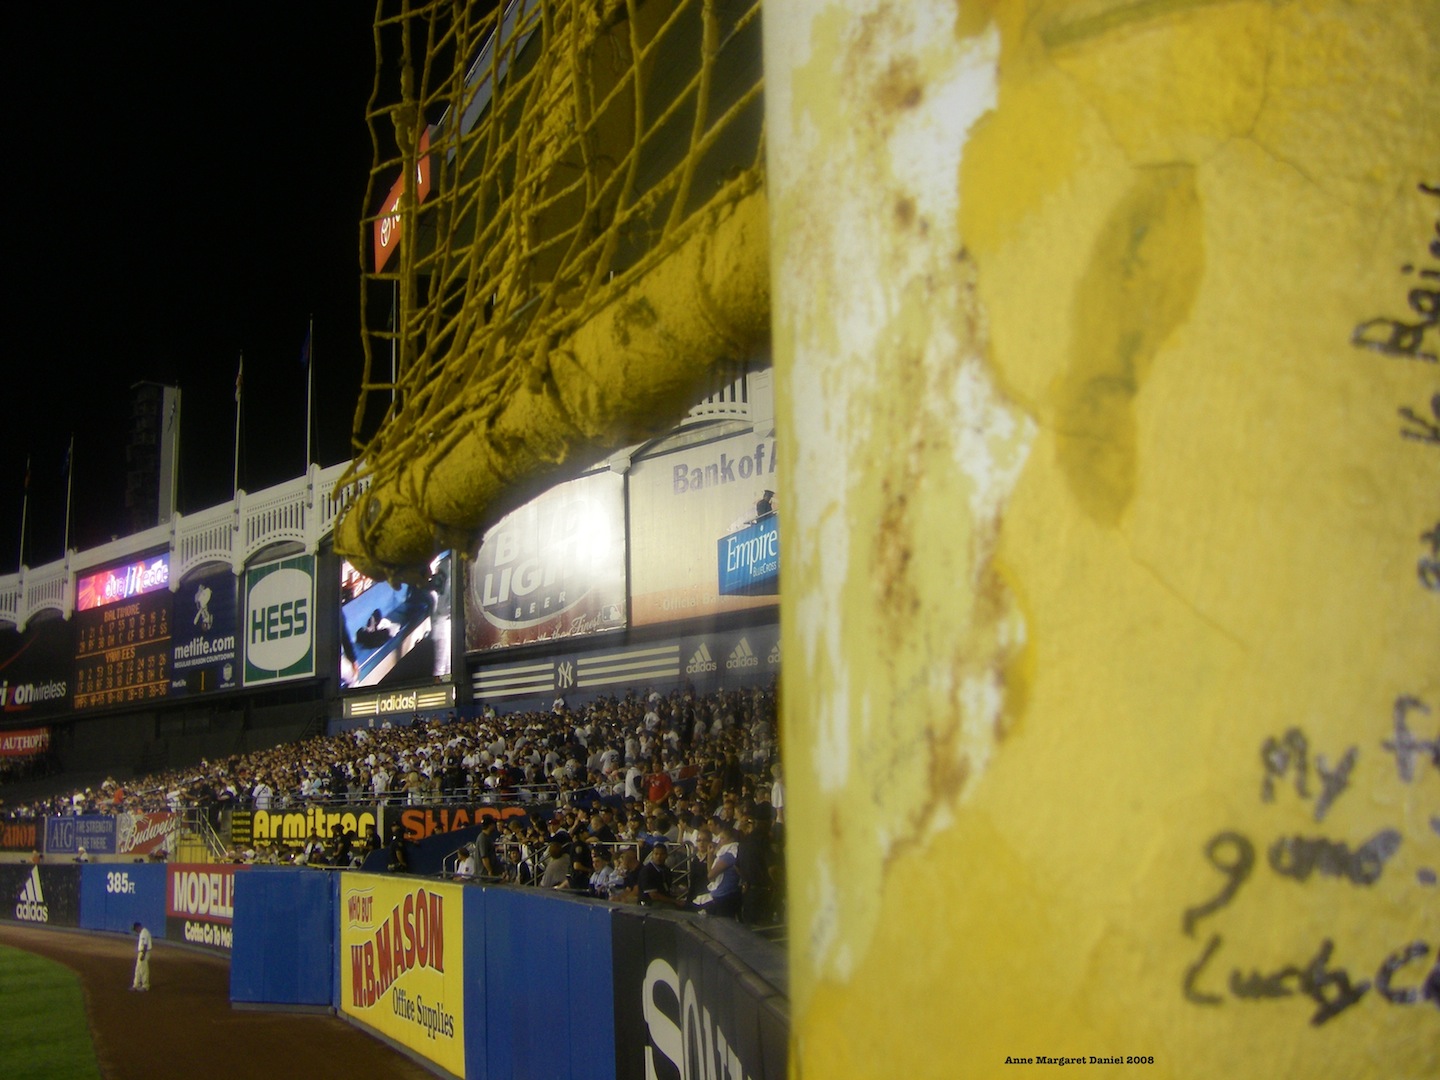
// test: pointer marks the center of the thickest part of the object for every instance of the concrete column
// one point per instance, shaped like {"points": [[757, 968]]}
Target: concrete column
{"points": [[1107, 386]]}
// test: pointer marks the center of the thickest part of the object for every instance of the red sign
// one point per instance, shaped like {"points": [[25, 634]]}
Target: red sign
{"points": [[122, 583], [25, 743], [422, 822], [17, 834], [387, 225], [202, 891], [145, 834]]}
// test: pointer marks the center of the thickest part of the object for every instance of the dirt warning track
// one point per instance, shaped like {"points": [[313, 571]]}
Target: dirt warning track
{"points": [[184, 1028]]}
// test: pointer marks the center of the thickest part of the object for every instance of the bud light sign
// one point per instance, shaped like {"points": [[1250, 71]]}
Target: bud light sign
{"points": [[749, 560]]}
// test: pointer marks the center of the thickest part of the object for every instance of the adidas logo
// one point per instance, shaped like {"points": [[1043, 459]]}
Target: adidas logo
{"points": [[743, 656], [701, 661], [31, 905], [774, 657]]}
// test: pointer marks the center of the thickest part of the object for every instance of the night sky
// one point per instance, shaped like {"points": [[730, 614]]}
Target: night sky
{"points": [[185, 183]]}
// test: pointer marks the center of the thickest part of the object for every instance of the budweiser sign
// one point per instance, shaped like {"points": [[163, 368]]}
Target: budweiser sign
{"points": [[145, 834]]}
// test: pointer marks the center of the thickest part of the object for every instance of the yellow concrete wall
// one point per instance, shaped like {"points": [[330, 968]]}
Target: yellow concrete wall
{"points": [[1108, 389]]}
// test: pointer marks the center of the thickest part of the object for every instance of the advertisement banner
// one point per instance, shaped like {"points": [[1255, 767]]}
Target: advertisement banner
{"points": [[122, 635], [279, 630], [205, 656], [296, 825], [116, 584], [67, 835], [40, 895], [145, 834], [555, 568], [35, 670], [402, 966], [20, 834], [681, 506], [683, 1010], [749, 560], [405, 703], [200, 903], [27, 742], [395, 634], [422, 822]]}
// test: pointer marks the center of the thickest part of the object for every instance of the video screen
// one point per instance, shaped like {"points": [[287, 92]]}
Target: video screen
{"points": [[395, 634]]}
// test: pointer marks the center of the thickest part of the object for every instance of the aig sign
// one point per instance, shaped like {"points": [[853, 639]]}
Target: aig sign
{"points": [[279, 629]]}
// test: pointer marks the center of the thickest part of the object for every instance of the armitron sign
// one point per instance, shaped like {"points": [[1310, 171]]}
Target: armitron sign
{"points": [[299, 824]]}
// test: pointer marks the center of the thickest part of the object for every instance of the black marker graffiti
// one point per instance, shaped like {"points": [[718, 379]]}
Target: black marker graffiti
{"points": [[1298, 857], [1278, 755], [1236, 869], [1428, 568], [1292, 751], [1405, 746], [1418, 427], [1331, 988], [1394, 337]]}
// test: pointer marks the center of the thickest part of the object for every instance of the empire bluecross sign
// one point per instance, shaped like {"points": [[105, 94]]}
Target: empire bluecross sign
{"points": [[749, 560]]}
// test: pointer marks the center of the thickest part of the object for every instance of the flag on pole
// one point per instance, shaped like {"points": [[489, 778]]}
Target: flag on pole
{"points": [[239, 378], [27, 474], [305, 349], [69, 450]]}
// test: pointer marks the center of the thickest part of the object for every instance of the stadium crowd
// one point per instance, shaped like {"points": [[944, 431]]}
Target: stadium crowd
{"points": [[673, 799]]}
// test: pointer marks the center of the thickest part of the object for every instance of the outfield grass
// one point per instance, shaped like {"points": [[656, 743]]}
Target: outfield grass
{"points": [[44, 1035]]}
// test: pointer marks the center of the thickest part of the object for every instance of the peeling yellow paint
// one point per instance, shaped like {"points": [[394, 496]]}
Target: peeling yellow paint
{"points": [[1029, 732]]}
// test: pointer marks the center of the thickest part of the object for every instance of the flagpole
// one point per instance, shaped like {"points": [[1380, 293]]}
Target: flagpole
{"points": [[239, 384], [309, 384], [69, 487], [24, 512]]}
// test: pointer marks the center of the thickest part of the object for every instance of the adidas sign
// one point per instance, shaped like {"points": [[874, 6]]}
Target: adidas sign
{"points": [[701, 661], [31, 905], [774, 658], [742, 657]]}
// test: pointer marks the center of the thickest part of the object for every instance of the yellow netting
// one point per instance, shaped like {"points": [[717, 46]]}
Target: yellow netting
{"points": [[573, 148]]}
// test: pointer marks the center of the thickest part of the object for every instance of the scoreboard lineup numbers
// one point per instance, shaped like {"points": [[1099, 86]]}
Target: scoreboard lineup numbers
{"points": [[122, 653]]}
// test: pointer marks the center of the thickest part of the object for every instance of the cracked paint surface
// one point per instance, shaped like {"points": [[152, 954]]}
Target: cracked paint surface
{"points": [[897, 356], [1093, 495]]}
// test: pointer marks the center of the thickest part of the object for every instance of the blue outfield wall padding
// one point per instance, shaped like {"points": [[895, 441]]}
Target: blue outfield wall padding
{"points": [[592, 993], [115, 896], [547, 988], [284, 937], [476, 1025]]}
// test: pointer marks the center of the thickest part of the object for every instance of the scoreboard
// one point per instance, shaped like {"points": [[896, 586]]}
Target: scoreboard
{"points": [[122, 636]]}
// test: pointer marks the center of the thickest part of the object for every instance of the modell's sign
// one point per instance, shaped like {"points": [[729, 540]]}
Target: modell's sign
{"points": [[200, 904]]}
